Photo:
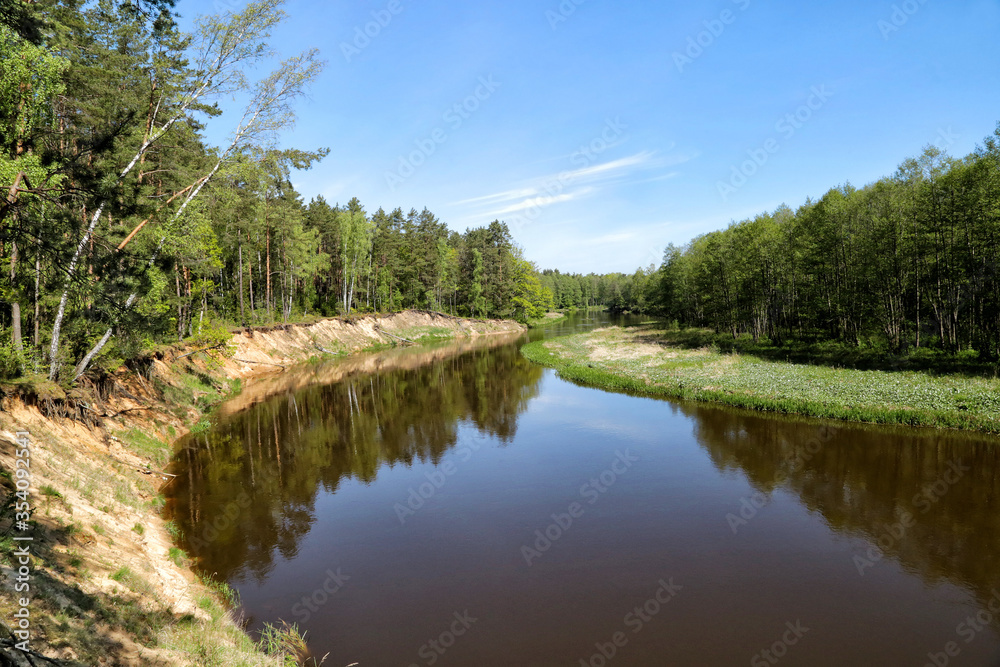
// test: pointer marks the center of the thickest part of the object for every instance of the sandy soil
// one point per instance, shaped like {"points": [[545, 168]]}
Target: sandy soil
{"points": [[96, 497]]}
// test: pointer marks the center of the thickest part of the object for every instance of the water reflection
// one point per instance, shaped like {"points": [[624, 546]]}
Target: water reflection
{"points": [[926, 498], [247, 489], [302, 475]]}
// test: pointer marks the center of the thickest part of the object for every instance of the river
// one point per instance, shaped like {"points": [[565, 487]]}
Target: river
{"points": [[462, 506]]}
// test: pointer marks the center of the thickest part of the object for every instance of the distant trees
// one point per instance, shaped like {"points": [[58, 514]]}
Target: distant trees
{"points": [[908, 261], [618, 292], [393, 261]]}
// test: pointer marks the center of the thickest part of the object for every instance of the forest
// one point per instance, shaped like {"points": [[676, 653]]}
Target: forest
{"points": [[908, 262], [123, 227]]}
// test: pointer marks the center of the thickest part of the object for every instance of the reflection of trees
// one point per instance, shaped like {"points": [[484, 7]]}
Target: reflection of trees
{"points": [[862, 480], [284, 449]]}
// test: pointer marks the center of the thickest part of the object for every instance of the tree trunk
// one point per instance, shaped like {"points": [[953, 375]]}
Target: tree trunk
{"points": [[267, 271], [243, 318], [38, 278], [15, 306]]}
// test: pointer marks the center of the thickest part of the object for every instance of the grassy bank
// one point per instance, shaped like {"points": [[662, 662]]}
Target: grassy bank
{"points": [[547, 319], [649, 361]]}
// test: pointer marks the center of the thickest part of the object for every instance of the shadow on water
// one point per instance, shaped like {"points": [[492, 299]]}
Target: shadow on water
{"points": [[928, 499], [247, 488]]}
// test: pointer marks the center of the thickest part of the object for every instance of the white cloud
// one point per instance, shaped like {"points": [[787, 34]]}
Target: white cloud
{"points": [[552, 189], [539, 202]]}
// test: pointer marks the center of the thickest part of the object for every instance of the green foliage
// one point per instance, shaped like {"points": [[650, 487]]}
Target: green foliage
{"points": [[285, 641], [906, 263], [707, 374], [178, 556]]}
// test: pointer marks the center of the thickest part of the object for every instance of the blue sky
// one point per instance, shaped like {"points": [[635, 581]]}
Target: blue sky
{"points": [[601, 131]]}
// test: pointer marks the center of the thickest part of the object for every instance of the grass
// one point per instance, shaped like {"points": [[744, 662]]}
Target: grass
{"points": [[178, 557], [649, 361], [425, 334], [868, 355], [547, 319], [146, 445]]}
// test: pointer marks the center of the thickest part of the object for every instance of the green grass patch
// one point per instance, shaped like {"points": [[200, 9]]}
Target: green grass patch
{"points": [[178, 557], [647, 361], [547, 320], [425, 334], [146, 445]]}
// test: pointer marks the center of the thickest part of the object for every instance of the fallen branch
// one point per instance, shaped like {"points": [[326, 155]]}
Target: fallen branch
{"points": [[30, 656], [115, 414], [381, 330], [247, 361], [147, 471], [121, 412], [214, 347]]}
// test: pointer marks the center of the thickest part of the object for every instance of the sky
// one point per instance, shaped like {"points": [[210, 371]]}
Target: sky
{"points": [[601, 131]]}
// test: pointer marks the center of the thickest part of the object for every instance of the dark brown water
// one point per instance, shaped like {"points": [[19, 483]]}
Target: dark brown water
{"points": [[462, 506]]}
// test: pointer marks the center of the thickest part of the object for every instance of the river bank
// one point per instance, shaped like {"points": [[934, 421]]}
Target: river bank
{"points": [[108, 586], [643, 360]]}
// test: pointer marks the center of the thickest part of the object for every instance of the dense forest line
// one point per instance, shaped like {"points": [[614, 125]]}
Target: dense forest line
{"points": [[910, 261], [122, 227]]}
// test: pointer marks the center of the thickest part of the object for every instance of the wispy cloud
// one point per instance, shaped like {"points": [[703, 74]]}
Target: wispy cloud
{"points": [[606, 169], [541, 201], [566, 186], [506, 195]]}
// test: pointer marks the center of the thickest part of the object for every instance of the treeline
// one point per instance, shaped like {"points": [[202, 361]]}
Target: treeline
{"points": [[910, 261], [617, 292], [387, 262], [122, 227]]}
